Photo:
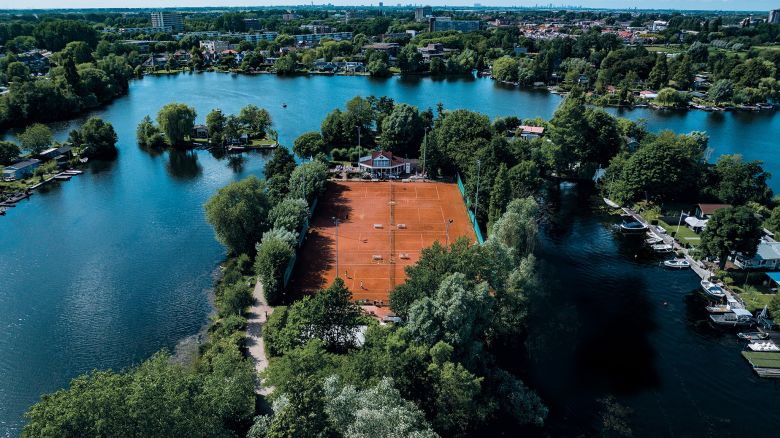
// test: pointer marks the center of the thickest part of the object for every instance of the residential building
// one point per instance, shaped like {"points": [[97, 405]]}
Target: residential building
{"points": [[659, 25], [317, 28], [383, 164], [60, 154], [314, 38], [256, 37], [703, 213], [631, 144], [422, 14], [767, 257], [36, 60], [774, 16], [215, 45], [172, 20], [390, 48], [200, 131], [432, 50], [21, 169], [251, 24], [530, 132], [442, 24]]}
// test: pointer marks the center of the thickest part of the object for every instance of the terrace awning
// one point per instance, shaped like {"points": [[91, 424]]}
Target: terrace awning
{"points": [[774, 276]]}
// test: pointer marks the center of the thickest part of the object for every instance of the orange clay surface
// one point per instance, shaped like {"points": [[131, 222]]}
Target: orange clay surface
{"points": [[412, 216]]}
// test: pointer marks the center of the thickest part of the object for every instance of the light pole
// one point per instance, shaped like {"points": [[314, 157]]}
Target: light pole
{"points": [[336, 221], [476, 194], [447, 230], [358, 130], [425, 149]]}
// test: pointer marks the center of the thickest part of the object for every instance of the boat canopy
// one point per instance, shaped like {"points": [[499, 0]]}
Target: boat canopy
{"points": [[774, 276], [741, 312]]}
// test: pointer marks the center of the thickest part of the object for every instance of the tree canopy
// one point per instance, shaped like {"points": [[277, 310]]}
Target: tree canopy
{"points": [[239, 214]]}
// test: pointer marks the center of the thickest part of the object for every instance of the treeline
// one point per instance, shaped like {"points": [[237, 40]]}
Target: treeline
{"points": [[442, 372], [82, 74]]}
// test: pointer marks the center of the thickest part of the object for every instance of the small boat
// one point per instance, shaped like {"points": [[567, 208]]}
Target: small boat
{"points": [[712, 290], [2, 211], [752, 336], [662, 247], [284, 105], [735, 318], [763, 346], [718, 308], [634, 227], [610, 203], [653, 240], [677, 264]]}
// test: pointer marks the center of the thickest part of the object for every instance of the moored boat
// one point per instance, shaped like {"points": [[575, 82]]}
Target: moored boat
{"points": [[718, 308], [763, 346], [611, 203], [735, 318], [712, 290], [752, 336], [662, 248], [634, 227], [677, 264]]}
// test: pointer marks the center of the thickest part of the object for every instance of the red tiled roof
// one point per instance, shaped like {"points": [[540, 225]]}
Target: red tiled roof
{"points": [[532, 129], [707, 209]]}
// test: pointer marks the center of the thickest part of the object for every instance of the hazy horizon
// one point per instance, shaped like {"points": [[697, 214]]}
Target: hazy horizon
{"points": [[724, 5]]}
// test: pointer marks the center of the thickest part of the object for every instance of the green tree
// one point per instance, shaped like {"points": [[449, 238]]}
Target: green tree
{"points": [[238, 212], [409, 59], [669, 97], [309, 144], [176, 120], [215, 123], [402, 130], [9, 152], [568, 127], [721, 91], [731, 230], [333, 129], [376, 411], [96, 138], [17, 71], [308, 180], [147, 134], [505, 69], [289, 214], [256, 120], [282, 164], [683, 73], [499, 196], [286, 64], [36, 138], [738, 182], [273, 255], [457, 135]]}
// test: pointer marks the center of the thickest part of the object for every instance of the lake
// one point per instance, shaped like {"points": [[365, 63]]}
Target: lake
{"points": [[104, 270]]}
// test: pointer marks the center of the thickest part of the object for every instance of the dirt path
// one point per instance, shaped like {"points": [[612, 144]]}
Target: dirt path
{"points": [[257, 316]]}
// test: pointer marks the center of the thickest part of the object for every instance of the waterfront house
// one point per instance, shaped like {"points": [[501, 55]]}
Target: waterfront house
{"points": [[21, 169], [767, 257], [699, 220], [383, 163], [200, 131], [430, 51], [60, 154], [530, 132], [631, 144], [647, 94], [390, 48]]}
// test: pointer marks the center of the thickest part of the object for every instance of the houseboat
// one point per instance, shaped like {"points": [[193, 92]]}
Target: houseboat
{"points": [[735, 318]]}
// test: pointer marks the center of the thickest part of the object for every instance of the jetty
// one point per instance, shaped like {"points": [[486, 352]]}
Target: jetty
{"points": [[14, 198]]}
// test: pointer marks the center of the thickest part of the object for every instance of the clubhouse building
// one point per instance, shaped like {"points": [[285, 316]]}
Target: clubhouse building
{"points": [[383, 164]]}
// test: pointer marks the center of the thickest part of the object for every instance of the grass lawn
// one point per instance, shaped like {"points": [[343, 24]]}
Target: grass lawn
{"points": [[665, 49], [685, 235], [755, 297], [261, 142]]}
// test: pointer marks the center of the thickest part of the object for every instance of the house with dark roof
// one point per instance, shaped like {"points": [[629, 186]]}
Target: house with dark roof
{"points": [[383, 164], [21, 169]]}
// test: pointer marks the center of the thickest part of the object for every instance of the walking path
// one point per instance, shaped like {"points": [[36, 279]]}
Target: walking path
{"points": [[256, 317]]}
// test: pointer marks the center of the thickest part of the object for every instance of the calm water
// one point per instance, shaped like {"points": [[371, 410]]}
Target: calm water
{"points": [[101, 271]]}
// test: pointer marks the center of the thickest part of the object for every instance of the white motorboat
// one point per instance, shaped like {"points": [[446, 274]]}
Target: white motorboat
{"points": [[712, 290], [662, 247], [677, 264], [718, 308]]}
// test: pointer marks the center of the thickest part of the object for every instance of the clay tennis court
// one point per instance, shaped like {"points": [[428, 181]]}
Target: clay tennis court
{"points": [[382, 228]]}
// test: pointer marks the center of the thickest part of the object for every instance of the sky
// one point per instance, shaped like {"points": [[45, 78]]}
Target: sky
{"points": [[756, 5]]}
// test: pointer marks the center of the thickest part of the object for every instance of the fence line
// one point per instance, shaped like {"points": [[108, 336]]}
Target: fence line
{"points": [[473, 219], [301, 237]]}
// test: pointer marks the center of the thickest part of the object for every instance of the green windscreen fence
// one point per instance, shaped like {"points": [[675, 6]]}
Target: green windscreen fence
{"points": [[473, 219], [301, 236]]}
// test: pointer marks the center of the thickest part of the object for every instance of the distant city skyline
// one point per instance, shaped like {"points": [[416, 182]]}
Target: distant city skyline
{"points": [[756, 5]]}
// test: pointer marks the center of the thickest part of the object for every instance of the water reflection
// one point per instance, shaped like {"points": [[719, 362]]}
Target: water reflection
{"points": [[236, 163], [183, 165]]}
